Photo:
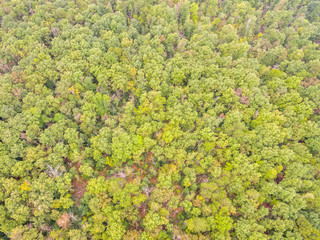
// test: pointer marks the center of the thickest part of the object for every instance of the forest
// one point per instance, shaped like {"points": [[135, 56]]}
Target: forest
{"points": [[160, 119]]}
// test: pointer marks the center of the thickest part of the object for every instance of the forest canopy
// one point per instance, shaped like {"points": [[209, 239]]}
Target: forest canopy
{"points": [[160, 119]]}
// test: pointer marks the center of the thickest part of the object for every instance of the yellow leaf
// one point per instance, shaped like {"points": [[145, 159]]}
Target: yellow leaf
{"points": [[133, 72], [56, 204], [25, 186]]}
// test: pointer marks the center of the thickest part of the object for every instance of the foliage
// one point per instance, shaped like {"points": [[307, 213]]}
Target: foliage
{"points": [[159, 119]]}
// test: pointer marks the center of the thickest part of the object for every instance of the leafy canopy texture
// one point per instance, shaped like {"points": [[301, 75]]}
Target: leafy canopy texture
{"points": [[164, 119]]}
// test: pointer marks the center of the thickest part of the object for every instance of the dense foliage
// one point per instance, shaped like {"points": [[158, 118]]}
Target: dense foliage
{"points": [[154, 119]]}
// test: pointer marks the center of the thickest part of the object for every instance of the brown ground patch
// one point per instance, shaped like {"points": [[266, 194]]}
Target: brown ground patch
{"points": [[79, 188], [70, 164], [202, 179], [149, 157], [178, 189], [64, 221], [267, 205], [173, 214], [153, 181], [279, 178], [143, 209]]}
